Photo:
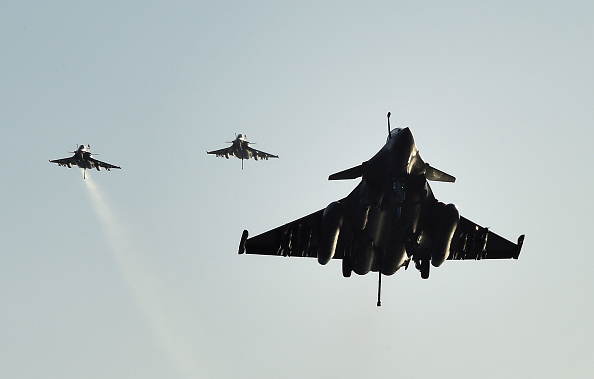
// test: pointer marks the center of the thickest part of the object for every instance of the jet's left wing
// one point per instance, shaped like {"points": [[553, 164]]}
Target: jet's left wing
{"points": [[257, 154], [104, 165], [475, 242], [66, 162]]}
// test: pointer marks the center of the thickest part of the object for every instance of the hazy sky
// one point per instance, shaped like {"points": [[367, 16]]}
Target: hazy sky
{"points": [[134, 273]]}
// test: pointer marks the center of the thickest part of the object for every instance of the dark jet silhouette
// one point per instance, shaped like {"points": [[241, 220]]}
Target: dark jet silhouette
{"points": [[242, 150], [390, 219], [84, 159]]}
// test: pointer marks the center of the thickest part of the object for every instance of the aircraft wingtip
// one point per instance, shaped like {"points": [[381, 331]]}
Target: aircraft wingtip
{"points": [[520, 243], [244, 237]]}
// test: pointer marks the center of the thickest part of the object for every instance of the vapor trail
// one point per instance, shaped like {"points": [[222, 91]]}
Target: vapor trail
{"points": [[164, 315]]}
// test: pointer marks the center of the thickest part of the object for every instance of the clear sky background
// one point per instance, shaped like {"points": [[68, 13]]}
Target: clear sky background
{"points": [[134, 273]]}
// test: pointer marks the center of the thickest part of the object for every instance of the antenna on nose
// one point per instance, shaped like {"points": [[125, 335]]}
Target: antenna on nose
{"points": [[389, 136]]}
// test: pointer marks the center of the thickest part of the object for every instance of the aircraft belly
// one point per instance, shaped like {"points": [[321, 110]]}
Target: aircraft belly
{"points": [[387, 230], [378, 228], [371, 242], [411, 214]]}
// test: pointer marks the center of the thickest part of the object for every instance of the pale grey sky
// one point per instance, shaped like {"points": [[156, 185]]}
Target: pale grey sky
{"points": [[134, 273]]}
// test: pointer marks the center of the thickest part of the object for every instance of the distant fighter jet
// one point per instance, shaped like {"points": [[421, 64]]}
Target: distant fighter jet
{"points": [[84, 159], [242, 150], [390, 219]]}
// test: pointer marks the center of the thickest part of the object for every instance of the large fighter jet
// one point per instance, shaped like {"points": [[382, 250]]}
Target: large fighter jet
{"points": [[390, 219], [84, 159], [242, 150]]}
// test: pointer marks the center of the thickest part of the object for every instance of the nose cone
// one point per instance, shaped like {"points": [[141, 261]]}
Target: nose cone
{"points": [[401, 133], [402, 139], [401, 147], [406, 135]]}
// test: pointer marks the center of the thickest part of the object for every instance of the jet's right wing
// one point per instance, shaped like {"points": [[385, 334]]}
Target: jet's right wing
{"points": [[66, 162], [226, 152], [299, 238]]}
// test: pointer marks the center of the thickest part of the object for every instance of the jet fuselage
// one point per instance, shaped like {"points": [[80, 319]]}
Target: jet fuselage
{"points": [[390, 219], [82, 157], [384, 211]]}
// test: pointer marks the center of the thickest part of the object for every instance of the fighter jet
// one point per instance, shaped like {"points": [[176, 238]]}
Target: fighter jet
{"points": [[84, 159], [389, 220], [242, 150]]}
